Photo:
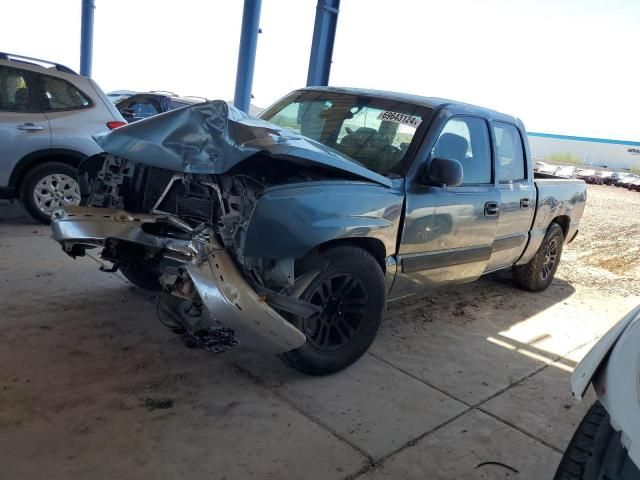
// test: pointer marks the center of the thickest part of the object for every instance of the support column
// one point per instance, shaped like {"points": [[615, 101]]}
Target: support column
{"points": [[324, 33], [247, 53], [86, 37]]}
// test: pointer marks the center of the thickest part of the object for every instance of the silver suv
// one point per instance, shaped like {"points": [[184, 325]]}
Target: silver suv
{"points": [[48, 114]]}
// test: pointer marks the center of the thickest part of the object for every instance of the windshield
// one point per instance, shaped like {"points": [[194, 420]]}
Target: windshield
{"points": [[375, 132]]}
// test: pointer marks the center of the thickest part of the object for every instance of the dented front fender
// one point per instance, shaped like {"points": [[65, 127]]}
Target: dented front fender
{"points": [[290, 220]]}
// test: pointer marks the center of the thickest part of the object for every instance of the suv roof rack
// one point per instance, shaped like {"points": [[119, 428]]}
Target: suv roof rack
{"points": [[35, 61]]}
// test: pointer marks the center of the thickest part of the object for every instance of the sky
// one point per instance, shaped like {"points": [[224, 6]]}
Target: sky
{"points": [[563, 66]]}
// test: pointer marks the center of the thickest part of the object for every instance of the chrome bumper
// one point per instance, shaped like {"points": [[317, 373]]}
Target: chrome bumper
{"points": [[222, 288]]}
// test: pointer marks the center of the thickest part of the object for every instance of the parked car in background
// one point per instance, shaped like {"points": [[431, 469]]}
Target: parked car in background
{"points": [[634, 185], [145, 105], [118, 95], [618, 176], [565, 172], [586, 174], [608, 179], [602, 177], [296, 227], [48, 114], [539, 166], [546, 168], [606, 444], [624, 182]]}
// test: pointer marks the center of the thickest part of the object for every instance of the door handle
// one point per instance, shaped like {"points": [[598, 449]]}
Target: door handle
{"points": [[29, 127], [491, 209], [524, 203]]}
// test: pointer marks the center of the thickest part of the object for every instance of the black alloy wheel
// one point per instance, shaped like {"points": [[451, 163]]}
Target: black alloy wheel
{"points": [[343, 299]]}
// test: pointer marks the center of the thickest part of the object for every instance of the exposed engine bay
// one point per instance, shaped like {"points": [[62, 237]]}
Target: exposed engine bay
{"points": [[194, 202], [188, 239]]}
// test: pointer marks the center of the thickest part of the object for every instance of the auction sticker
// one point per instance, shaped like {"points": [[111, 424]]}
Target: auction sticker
{"points": [[401, 118]]}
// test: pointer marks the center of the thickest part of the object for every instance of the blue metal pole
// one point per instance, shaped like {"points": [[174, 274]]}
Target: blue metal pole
{"points": [[86, 37], [324, 34], [247, 53]]}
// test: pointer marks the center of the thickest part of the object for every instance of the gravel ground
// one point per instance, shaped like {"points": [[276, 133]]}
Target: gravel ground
{"points": [[606, 254]]}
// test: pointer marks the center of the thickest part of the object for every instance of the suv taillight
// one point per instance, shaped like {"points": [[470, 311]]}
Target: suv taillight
{"points": [[114, 125]]}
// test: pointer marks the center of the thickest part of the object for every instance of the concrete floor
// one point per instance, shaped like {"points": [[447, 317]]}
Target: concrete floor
{"points": [[471, 382]]}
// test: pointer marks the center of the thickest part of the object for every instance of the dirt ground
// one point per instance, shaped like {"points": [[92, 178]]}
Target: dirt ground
{"points": [[469, 382], [606, 254]]}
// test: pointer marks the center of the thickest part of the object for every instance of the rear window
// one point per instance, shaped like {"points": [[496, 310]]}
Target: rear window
{"points": [[510, 155], [14, 91], [58, 94], [375, 132]]}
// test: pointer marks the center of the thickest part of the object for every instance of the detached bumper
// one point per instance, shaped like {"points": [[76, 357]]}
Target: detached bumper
{"points": [[222, 288]]}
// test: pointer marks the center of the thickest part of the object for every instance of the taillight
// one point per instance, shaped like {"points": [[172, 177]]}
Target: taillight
{"points": [[114, 125]]}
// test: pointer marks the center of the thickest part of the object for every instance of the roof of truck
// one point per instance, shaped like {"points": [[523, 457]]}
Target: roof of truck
{"points": [[429, 102]]}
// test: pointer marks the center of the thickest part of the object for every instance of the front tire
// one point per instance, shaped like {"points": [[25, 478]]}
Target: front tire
{"points": [[350, 288], [538, 274], [47, 187], [595, 452], [141, 277]]}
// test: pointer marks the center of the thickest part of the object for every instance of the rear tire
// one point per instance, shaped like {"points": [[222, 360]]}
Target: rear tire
{"points": [[48, 186], [350, 286], [595, 451], [538, 274]]}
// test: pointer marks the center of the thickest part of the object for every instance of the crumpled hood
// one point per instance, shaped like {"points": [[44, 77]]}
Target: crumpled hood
{"points": [[212, 137]]}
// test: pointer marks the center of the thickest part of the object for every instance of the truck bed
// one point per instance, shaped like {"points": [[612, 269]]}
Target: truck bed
{"points": [[559, 197]]}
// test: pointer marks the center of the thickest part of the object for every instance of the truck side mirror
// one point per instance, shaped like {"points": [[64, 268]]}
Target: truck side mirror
{"points": [[445, 171]]}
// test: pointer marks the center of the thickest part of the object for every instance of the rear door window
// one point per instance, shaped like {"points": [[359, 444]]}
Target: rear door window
{"points": [[509, 153], [58, 94], [14, 90], [466, 139], [144, 108]]}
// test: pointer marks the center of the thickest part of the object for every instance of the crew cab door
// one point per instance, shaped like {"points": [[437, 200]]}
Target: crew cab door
{"points": [[517, 195], [23, 127], [448, 231]]}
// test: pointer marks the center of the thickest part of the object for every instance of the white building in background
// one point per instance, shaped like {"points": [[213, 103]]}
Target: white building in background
{"points": [[598, 152]]}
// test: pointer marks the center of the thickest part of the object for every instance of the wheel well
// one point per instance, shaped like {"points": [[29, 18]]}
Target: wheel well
{"points": [[372, 245], [563, 221], [31, 161]]}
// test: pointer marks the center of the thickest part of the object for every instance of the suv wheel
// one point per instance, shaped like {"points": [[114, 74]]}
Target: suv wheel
{"points": [[47, 187]]}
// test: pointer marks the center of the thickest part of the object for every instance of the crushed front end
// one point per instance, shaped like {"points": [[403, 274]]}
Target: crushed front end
{"points": [[180, 243]]}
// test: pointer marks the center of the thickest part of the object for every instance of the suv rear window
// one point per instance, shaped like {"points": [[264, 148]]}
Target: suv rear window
{"points": [[375, 132], [14, 91], [58, 94]]}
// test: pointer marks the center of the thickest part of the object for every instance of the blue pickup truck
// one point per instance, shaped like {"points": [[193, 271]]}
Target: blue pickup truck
{"points": [[296, 228]]}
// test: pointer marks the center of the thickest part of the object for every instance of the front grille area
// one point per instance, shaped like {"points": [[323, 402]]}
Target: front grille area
{"points": [[195, 207], [192, 202], [156, 180]]}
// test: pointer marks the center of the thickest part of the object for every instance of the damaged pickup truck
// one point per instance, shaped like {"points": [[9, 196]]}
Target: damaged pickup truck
{"points": [[295, 229]]}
